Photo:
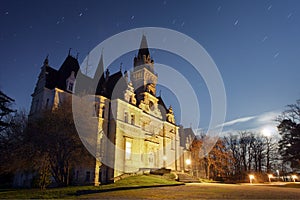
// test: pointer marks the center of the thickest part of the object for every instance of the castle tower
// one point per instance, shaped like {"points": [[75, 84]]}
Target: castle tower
{"points": [[144, 80]]}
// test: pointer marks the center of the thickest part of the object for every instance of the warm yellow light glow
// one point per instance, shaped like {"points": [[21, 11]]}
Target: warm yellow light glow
{"points": [[188, 161], [164, 158], [251, 177], [294, 177], [270, 176]]}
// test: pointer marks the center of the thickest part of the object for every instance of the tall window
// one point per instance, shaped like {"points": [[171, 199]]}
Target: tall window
{"points": [[97, 109], [103, 109], [126, 117], [172, 143], [151, 158], [128, 150], [47, 103], [87, 176], [132, 119]]}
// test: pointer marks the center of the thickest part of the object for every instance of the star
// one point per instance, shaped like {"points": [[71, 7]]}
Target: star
{"points": [[236, 22], [270, 6], [290, 15], [6, 12], [265, 38]]}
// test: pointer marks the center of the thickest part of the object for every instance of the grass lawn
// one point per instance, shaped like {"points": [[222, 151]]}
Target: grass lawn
{"points": [[288, 185], [73, 192], [202, 191]]}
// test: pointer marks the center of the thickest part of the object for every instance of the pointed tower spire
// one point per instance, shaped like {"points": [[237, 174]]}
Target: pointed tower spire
{"points": [[100, 68], [143, 47], [143, 56], [46, 61]]}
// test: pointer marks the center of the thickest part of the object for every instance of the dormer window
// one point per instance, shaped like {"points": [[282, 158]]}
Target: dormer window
{"points": [[70, 82], [70, 86]]}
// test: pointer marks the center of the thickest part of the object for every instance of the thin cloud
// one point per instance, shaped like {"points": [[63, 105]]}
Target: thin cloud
{"points": [[268, 117], [253, 123], [239, 120]]}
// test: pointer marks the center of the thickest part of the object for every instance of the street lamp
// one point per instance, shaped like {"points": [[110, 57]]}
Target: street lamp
{"points": [[251, 177], [294, 177], [188, 161], [270, 176], [277, 171]]}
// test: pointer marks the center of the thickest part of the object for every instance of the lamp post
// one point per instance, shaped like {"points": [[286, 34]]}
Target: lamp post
{"points": [[294, 177], [270, 176], [188, 163], [251, 177]]}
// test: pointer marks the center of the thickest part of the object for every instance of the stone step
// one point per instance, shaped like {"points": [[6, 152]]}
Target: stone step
{"points": [[186, 178]]}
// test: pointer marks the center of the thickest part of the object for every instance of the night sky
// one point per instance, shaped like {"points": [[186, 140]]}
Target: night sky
{"points": [[255, 45]]}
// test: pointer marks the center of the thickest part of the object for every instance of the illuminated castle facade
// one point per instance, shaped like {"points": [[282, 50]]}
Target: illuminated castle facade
{"points": [[129, 113]]}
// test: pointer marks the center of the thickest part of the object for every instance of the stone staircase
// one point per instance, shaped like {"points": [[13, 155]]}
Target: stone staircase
{"points": [[186, 178]]}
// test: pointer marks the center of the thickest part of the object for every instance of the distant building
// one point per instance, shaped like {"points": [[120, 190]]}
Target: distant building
{"points": [[129, 112]]}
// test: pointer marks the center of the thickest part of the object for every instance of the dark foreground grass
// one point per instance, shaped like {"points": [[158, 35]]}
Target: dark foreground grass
{"points": [[133, 182], [202, 191]]}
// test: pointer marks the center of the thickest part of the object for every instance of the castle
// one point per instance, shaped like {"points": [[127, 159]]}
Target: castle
{"points": [[129, 113]]}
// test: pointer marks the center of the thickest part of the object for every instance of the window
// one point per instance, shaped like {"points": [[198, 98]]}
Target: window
{"points": [[97, 109], [47, 103], [126, 117], [151, 105], [132, 119], [87, 176], [70, 86], [172, 143], [151, 158], [128, 150], [103, 109]]}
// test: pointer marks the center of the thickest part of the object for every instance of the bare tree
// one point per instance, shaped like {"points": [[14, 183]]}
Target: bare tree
{"points": [[57, 146], [289, 129]]}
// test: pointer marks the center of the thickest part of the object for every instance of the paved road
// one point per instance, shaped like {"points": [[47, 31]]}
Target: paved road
{"points": [[203, 191]]}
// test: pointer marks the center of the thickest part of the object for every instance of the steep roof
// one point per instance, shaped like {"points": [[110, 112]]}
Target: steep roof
{"points": [[51, 77], [70, 64], [113, 86]]}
